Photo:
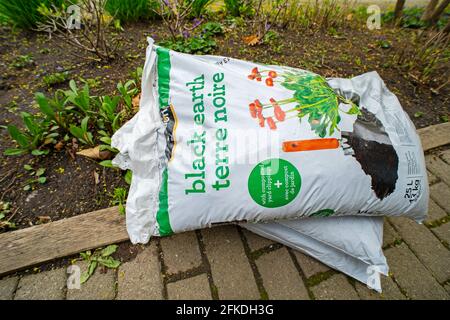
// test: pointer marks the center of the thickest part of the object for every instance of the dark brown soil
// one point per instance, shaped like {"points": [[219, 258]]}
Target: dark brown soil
{"points": [[71, 188]]}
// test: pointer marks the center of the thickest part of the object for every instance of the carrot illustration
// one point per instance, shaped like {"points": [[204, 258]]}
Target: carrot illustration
{"points": [[309, 145]]}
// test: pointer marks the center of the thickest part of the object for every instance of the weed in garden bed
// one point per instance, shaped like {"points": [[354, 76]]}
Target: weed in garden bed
{"points": [[55, 78], [100, 257], [37, 177], [413, 18], [132, 10], [202, 42], [119, 198], [5, 217], [74, 113], [22, 61]]}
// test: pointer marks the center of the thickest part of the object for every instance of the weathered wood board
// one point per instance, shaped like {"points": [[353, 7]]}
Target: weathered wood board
{"points": [[38, 244], [435, 136]]}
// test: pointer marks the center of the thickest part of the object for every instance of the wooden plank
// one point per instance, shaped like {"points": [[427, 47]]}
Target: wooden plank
{"points": [[32, 246], [38, 244], [435, 136]]}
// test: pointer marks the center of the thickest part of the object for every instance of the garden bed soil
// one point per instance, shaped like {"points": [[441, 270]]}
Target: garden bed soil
{"points": [[79, 185]]}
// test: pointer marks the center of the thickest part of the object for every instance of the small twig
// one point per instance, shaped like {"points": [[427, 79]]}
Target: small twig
{"points": [[12, 216], [8, 188], [7, 175]]}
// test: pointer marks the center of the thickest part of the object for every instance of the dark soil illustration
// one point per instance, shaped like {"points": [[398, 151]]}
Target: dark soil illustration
{"points": [[373, 149]]}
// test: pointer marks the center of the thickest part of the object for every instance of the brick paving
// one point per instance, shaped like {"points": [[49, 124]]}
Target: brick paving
{"points": [[228, 262]]}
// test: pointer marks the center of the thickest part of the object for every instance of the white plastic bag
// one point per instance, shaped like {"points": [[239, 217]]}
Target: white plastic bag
{"points": [[351, 245], [223, 140]]}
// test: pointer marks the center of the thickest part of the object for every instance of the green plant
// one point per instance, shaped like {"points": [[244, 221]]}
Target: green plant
{"points": [[119, 198], [317, 15], [131, 10], [384, 44], [412, 18], [200, 43], [74, 113], [5, 222], [191, 45], [136, 75], [271, 37], [37, 177], [25, 13], [37, 133], [82, 132], [265, 16], [92, 83], [80, 98], [101, 257], [199, 7], [212, 28], [22, 61], [426, 58], [236, 8], [55, 78], [108, 112], [128, 91]]}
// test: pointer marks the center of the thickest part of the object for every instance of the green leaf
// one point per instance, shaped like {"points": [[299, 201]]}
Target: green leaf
{"points": [[18, 136], [27, 187], [42, 180], [40, 172], [37, 152], [85, 255], [92, 266], [14, 152], [28, 120], [109, 262], [106, 140], [121, 208], [84, 124], [84, 277], [76, 132], [44, 105], [354, 109], [106, 163], [73, 86], [128, 176], [28, 167], [109, 250]]}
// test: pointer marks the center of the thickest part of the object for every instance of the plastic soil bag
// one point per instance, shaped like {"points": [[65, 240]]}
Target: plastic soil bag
{"points": [[219, 140], [351, 245]]}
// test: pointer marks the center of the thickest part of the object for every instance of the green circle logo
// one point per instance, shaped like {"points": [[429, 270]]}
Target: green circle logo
{"points": [[274, 183]]}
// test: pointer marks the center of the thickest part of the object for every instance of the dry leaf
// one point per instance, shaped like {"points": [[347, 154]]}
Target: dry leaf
{"points": [[96, 177], [251, 40], [135, 102], [59, 145], [95, 153], [349, 17], [44, 219]]}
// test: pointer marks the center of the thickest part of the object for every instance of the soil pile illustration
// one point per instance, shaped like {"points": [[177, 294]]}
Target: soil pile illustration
{"points": [[374, 151]]}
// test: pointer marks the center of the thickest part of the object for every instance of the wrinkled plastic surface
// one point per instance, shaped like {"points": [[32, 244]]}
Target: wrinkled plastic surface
{"points": [[351, 245]]}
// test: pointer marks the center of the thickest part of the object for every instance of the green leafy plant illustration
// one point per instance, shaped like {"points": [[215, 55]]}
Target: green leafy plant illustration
{"points": [[312, 98]]}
